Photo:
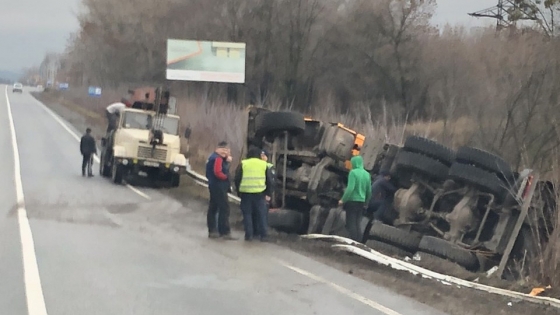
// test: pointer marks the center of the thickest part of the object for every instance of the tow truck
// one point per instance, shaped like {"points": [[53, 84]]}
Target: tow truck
{"points": [[146, 141]]}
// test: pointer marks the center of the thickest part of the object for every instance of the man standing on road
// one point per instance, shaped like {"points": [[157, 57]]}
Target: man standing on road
{"points": [[88, 149], [217, 172], [112, 112], [356, 196], [382, 192], [253, 181]]}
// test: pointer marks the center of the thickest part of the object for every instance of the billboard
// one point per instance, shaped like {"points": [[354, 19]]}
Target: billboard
{"points": [[207, 61]]}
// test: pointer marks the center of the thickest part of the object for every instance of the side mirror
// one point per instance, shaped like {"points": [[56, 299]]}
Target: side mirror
{"points": [[187, 133]]}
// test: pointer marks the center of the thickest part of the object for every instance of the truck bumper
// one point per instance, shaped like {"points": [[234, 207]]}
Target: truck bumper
{"points": [[145, 167]]}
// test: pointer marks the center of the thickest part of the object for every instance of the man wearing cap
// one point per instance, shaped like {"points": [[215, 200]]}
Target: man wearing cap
{"points": [[217, 173], [253, 181], [382, 192]]}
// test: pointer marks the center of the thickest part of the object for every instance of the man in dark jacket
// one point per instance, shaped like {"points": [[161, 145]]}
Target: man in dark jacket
{"points": [[88, 149], [253, 181], [382, 192], [217, 172]]}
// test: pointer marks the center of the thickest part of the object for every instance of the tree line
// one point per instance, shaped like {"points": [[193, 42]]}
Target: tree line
{"points": [[382, 57]]}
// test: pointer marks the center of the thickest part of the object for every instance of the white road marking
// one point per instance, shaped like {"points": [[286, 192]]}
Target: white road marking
{"points": [[342, 290], [33, 289], [75, 136]]}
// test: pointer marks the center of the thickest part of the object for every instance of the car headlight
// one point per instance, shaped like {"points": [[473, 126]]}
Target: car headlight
{"points": [[125, 162], [176, 169]]}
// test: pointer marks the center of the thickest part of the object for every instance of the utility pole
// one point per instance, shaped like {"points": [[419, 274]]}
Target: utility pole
{"points": [[507, 12]]}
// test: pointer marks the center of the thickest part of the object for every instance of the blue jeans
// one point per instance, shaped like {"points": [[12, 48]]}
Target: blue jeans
{"points": [[253, 207]]}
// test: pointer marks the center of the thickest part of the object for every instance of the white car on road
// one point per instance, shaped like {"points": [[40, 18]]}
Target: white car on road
{"points": [[18, 87]]}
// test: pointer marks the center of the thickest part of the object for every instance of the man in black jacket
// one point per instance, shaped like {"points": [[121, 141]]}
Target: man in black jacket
{"points": [[382, 193], [88, 148]]}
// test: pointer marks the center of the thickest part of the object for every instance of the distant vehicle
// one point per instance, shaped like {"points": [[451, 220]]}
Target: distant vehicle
{"points": [[18, 87]]}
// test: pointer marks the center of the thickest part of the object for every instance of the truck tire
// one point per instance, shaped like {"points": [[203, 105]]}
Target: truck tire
{"points": [[486, 161], [279, 121], [481, 179], [387, 249], [422, 164], [117, 173], [394, 236], [175, 180], [289, 221], [429, 148], [443, 249], [104, 170]]}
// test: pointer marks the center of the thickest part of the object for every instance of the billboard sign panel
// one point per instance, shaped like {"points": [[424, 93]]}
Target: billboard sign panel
{"points": [[206, 61]]}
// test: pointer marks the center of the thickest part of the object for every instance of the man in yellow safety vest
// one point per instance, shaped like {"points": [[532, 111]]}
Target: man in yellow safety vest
{"points": [[254, 182]]}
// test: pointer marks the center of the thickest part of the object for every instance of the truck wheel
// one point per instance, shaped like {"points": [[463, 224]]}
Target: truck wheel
{"points": [[387, 249], [421, 164], [266, 123], [289, 221], [486, 161], [394, 236], [481, 179], [443, 249], [175, 180], [429, 148], [117, 173], [104, 170]]}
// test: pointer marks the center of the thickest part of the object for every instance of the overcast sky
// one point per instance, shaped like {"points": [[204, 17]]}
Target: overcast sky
{"points": [[30, 28]]}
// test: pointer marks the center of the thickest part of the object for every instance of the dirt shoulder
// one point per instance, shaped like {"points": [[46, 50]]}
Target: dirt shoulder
{"points": [[447, 298]]}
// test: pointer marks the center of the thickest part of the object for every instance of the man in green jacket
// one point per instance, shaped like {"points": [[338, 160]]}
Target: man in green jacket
{"points": [[356, 196]]}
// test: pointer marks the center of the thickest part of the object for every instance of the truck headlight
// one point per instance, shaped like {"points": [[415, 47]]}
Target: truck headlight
{"points": [[176, 169], [125, 162]]}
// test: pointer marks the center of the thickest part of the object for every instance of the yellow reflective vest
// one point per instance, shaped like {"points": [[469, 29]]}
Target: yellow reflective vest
{"points": [[253, 180]]}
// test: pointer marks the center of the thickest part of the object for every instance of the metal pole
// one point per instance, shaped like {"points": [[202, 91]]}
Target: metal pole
{"points": [[285, 167], [513, 237]]}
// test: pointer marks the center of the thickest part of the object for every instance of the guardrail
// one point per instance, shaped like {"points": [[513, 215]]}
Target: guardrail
{"points": [[203, 181]]}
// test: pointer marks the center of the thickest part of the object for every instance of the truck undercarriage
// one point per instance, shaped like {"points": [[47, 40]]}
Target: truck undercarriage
{"points": [[467, 206]]}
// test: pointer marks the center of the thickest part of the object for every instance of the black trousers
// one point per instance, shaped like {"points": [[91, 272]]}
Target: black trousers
{"points": [[354, 211], [87, 162], [218, 211]]}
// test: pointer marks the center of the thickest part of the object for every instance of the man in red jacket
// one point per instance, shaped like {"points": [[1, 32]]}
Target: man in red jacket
{"points": [[217, 173]]}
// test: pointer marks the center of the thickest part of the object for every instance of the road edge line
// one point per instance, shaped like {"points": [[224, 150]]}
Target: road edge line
{"points": [[75, 136], [340, 289], [33, 289]]}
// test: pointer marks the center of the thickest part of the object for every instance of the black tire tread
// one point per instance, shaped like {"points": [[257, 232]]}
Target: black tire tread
{"points": [[422, 164], [394, 236], [429, 148], [483, 180], [485, 160], [286, 220], [443, 249], [268, 122], [388, 249]]}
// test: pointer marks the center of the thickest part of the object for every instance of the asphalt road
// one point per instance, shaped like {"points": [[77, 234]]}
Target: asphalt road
{"points": [[86, 246]]}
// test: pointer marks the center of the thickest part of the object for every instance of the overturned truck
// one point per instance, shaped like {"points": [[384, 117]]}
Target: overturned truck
{"points": [[467, 206]]}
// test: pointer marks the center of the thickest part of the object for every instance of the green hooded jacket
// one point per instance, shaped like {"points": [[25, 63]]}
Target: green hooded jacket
{"points": [[359, 182]]}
